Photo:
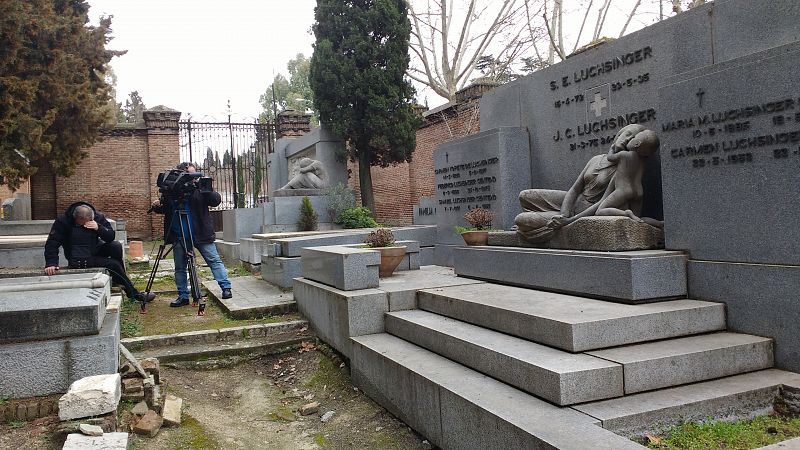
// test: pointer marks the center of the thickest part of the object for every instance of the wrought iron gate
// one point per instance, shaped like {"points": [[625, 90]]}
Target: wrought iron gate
{"points": [[234, 155]]}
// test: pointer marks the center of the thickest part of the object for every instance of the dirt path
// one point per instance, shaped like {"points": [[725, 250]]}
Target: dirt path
{"points": [[254, 405]]}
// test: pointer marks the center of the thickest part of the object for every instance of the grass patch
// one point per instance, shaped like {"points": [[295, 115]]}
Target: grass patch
{"points": [[16, 423], [741, 435], [327, 375], [281, 414], [386, 441], [130, 324], [195, 435], [162, 319], [319, 439]]}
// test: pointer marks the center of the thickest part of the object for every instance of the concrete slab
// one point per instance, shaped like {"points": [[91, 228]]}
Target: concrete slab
{"points": [[345, 268], [250, 250], [252, 297], [25, 251], [673, 362], [281, 271], [631, 277], [791, 444], [228, 250], [557, 376], [336, 315], [571, 323], [49, 367], [43, 307], [425, 235], [731, 398], [108, 441], [453, 406]]}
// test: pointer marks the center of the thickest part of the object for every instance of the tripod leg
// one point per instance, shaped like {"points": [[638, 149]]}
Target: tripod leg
{"points": [[161, 254]]}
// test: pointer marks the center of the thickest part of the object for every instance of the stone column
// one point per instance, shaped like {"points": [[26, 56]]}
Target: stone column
{"points": [[163, 151]]}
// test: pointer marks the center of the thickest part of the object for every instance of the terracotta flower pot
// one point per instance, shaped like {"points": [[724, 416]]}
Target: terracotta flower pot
{"points": [[475, 237], [390, 259]]}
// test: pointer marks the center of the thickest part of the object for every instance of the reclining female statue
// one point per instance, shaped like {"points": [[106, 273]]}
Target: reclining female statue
{"points": [[609, 185], [311, 175]]}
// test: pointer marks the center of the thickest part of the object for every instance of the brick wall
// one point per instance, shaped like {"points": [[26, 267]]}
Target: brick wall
{"points": [[117, 176], [399, 187]]}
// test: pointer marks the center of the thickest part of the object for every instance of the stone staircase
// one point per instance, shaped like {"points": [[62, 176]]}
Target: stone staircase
{"points": [[495, 366]]}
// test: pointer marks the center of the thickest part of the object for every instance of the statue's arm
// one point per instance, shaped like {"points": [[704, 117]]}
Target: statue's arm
{"points": [[572, 194]]}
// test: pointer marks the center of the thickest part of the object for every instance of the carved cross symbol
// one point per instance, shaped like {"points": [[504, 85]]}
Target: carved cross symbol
{"points": [[598, 104], [699, 94]]}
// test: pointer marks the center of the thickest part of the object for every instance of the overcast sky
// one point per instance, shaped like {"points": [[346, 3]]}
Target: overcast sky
{"points": [[195, 55]]}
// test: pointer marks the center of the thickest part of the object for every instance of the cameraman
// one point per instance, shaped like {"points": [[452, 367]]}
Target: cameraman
{"points": [[202, 230]]}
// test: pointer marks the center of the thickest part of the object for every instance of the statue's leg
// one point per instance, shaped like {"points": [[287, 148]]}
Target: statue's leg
{"points": [[541, 199], [618, 212], [312, 181]]}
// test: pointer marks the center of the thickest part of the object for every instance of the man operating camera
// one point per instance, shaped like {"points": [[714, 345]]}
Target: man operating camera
{"points": [[200, 228]]}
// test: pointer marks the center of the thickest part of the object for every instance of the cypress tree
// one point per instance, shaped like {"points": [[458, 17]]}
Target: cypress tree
{"points": [[358, 78], [53, 95]]}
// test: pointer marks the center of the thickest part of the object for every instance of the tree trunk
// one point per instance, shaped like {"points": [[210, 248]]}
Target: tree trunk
{"points": [[365, 180]]}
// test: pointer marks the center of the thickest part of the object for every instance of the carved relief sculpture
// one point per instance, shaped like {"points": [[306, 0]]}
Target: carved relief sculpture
{"points": [[310, 176], [609, 185]]}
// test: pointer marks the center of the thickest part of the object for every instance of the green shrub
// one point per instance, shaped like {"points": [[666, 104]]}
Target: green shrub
{"points": [[308, 217], [340, 199], [359, 217]]}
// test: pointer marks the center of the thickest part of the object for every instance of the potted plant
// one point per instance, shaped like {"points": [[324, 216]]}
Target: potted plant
{"points": [[382, 240], [481, 221]]}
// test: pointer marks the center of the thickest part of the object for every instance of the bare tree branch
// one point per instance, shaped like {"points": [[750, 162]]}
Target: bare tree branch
{"points": [[580, 32], [630, 16]]}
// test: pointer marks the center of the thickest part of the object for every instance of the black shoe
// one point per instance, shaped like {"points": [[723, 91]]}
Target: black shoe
{"points": [[226, 293], [178, 302], [145, 296]]}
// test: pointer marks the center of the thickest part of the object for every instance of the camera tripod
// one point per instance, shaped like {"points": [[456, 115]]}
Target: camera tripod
{"points": [[187, 243]]}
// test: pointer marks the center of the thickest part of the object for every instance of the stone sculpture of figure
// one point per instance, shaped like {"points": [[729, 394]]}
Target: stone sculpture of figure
{"points": [[609, 185], [310, 176]]}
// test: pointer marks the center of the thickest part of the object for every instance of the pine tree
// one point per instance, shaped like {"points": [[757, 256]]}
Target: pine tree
{"points": [[134, 108], [357, 75], [53, 94], [308, 217]]}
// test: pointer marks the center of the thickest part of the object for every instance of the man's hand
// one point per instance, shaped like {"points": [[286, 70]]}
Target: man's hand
{"points": [[90, 225], [156, 204], [51, 270]]}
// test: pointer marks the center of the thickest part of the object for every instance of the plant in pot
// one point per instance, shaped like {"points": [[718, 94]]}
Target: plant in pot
{"points": [[481, 221], [382, 240]]}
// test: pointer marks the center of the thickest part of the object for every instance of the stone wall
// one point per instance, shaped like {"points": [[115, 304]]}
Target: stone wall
{"points": [[398, 188]]}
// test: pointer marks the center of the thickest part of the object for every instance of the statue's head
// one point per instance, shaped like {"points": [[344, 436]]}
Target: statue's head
{"points": [[624, 135], [645, 143], [305, 162]]}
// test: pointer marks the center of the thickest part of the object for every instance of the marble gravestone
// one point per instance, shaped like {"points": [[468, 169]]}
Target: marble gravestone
{"points": [[731, 173], [486, 170]]}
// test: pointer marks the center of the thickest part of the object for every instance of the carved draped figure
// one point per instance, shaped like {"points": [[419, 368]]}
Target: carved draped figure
{"points": [[541, 205]]}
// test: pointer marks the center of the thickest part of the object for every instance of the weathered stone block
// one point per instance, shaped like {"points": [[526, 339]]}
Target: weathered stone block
{"points": [[344, 268], [108, 441], [90, 396], [632, 277]]}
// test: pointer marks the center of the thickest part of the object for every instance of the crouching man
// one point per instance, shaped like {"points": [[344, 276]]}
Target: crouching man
{"points": [[88, 241]]}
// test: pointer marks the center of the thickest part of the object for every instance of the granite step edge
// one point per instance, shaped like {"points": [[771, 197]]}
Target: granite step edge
{"points": [[557, 376]]}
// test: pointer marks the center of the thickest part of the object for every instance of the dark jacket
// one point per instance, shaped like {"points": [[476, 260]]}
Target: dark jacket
{"points": [[202, 223], [61, 234]]}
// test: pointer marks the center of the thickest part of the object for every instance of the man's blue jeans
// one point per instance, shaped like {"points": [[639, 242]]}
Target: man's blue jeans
{"points": [[210, 254]]}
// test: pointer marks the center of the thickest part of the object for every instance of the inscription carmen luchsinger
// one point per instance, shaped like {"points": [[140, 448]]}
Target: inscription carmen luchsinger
{"points": [[602, 67], [721, 149], [472, 185]]}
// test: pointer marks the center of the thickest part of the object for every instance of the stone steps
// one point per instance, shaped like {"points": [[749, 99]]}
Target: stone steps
{"points": [[201, 351], [673, 362], [569, 322], [560, 377], [731, 398], [458, 408]]}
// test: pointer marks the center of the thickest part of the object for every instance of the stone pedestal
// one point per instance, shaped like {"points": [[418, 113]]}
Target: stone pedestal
{"points": [[599, 233]]}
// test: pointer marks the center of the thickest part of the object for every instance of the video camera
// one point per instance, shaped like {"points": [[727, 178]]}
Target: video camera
{"points": [[177, 184]]}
